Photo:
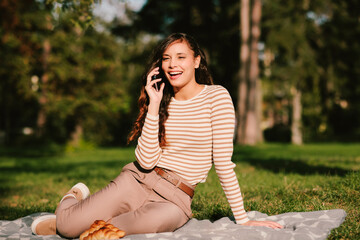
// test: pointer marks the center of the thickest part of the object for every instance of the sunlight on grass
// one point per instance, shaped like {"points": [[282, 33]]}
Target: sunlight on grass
{"points": [[274, 179]]}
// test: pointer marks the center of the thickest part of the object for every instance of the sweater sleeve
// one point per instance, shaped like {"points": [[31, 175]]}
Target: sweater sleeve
{"points": [[148, 151], [223, 125]]}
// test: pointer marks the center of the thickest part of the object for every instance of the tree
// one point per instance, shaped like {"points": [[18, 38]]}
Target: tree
{"points": [[87, 92], [288, 36], [60, 77], [248, 130], [214, 24], [339, 64], [314, 65], [21, 32], [81, 18]]}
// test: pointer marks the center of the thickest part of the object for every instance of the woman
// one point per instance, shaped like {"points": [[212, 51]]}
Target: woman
{"points": [[185, 125]]}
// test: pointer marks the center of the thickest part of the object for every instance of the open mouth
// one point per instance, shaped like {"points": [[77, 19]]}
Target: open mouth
{"points": [[175, 74]]}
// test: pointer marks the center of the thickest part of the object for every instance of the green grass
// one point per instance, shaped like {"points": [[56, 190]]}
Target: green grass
{"points": [[274, 179]]}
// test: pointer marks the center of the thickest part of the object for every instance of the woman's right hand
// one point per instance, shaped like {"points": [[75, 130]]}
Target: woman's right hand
{"points": [[269, 224], [154, 95]]}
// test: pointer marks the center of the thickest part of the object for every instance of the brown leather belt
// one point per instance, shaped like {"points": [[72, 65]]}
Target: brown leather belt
{"points": [[178, 183]]}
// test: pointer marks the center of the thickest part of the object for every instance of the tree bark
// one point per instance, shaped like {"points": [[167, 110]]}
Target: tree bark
{"points": [[243, 73], [76, 135], [249, 101], [296, 134], [253, 130], [41, 118], [259, 111]]}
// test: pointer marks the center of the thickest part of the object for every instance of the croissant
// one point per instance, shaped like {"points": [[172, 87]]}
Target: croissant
{"points": [[102, 230]]}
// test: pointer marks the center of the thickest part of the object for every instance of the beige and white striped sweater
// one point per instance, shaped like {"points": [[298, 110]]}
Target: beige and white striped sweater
{"points": [[199, 133]]}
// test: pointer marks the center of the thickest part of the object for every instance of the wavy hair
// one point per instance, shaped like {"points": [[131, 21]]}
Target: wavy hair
{"points": [[202, 76]]}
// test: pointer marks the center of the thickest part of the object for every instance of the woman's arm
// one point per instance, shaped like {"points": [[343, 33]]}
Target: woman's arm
{"points": [[148, 151], [223, 124]]}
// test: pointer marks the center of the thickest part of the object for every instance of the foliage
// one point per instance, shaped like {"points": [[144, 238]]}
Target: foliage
{"points": [[274, 179], [341, 70], [93, 72], [81, 16], [86, 83], [287, 33], [214, 24], [304, 39], [86, 80], [21, 25]]}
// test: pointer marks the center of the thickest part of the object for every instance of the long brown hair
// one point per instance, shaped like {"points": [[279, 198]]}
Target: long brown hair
{"points": [[202, 76]]}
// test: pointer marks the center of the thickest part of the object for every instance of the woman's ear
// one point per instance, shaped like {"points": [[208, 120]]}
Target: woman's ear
{"points": [[197, 61]]}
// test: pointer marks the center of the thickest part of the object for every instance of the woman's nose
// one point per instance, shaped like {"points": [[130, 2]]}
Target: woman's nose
{"points": [[172, 63]]}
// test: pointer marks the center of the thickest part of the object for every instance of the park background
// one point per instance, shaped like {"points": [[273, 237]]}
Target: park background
{"points": [[70, 76]]}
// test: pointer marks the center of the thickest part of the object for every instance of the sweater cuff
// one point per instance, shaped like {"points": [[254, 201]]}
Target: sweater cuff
{"points": [[243, 220], [152, 117]]}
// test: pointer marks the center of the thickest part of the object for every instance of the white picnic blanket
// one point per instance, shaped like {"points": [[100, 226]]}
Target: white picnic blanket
{"points": [[315, 225]]}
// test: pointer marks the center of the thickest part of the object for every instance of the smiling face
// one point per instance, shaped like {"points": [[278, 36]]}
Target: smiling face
{"points": [[179, 64]]}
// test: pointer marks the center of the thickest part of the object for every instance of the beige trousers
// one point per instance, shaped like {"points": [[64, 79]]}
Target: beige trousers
{"points": [[137, 201]]}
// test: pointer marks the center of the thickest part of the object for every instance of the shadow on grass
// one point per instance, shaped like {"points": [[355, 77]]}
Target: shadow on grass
{"points": [[321, 159], [32, 151], [24, 163], [282, 165], [46, 165], [46, 160], [12, 213]]}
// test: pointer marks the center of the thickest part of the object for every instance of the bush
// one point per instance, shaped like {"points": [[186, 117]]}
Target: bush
{"points": [[278, 133]]}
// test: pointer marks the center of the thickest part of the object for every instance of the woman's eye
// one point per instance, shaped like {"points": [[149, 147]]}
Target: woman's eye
{"points": [[164, 59]]}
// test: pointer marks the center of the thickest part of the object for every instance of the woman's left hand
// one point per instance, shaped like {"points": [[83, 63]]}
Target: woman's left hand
{"points": [[270, 224]]}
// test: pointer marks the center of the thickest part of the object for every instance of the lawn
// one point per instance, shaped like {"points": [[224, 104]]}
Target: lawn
{"points": [[274, 179]]}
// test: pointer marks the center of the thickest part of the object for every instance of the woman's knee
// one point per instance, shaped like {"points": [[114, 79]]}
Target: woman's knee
{"points": [[66, 226], [166, 218], [65, 229], [174, 219], [151, 218]]}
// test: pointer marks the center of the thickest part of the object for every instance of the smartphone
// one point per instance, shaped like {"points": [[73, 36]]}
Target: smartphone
{"points": [[160, 75], [156, 85]]}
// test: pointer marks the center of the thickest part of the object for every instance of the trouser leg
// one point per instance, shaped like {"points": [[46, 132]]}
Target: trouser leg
{"points": [[165, 209], [122, 195], [136, 202], [152, 217]]}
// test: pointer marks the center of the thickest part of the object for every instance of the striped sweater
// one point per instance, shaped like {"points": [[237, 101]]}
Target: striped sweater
{"points": [[199, 133]]}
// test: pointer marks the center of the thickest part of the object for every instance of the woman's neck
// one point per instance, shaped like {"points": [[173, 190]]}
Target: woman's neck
{"points": [[187, 92]]}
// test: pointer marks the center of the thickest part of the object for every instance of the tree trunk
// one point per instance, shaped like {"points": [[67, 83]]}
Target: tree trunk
{"points": [[249, 101], [259, 111], [76, 135], [253, 130], [243, 73], [41, 118], [296, 135]]}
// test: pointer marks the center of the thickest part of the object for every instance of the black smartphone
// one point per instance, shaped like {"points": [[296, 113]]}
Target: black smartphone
{"points": [[156, 85], [160, 75]]}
